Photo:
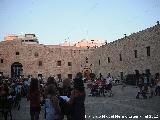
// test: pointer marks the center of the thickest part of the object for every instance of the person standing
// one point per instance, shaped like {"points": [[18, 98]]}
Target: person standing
{"points": [[109, 80], [52, 107], [77, 100], [157, 79], [34, 97]]}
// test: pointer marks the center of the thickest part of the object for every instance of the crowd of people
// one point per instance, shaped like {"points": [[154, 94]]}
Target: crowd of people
{"points": [[11, 91], [148, 84], [101, 86], [58, 98], [63, 97]]}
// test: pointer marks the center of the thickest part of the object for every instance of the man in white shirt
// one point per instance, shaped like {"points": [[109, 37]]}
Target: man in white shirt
{"points": [[109, 84]]}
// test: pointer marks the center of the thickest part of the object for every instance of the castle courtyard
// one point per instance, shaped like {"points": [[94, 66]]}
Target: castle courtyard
{"points": [[80, 60]]}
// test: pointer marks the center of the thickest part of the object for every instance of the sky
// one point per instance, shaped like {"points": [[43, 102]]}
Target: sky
{"points": [[54, 21]]}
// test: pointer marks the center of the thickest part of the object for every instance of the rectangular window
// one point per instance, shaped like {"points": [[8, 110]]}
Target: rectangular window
{"points": [[40, 75], [58, 63], [99, 62], [69, 64], [17, 53], [70, 76], [59, 76], [135, 53], [36, 54], [147, 71], [120, 57], [86, 59], [40, 63], [1, 73], [1, 60], [148, 50], [109, 60]]}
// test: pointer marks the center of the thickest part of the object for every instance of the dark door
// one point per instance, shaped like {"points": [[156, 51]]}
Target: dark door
{"points": [[16, 69]]}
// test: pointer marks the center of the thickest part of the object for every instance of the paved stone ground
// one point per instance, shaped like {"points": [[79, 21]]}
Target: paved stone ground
{"points": [[123, 104]]}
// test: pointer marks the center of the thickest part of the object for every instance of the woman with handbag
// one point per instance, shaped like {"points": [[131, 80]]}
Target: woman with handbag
{"points": [[52, 108]]}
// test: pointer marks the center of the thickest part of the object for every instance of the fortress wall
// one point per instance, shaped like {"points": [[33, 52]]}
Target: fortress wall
{"points": [[126, 46]]}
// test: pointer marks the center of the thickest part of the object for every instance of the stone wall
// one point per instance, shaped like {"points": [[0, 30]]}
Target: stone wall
{"points": [[94, 59], [48, 54], [126, 46]]}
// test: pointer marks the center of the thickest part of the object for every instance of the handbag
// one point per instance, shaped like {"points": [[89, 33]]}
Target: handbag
{"points": [[66, 108]]}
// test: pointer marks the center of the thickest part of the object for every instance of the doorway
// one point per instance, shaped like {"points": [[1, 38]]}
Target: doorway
{"points": [[16, 69]]}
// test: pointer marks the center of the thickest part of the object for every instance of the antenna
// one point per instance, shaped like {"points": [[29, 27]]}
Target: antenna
{"points": [[68, 41]]}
